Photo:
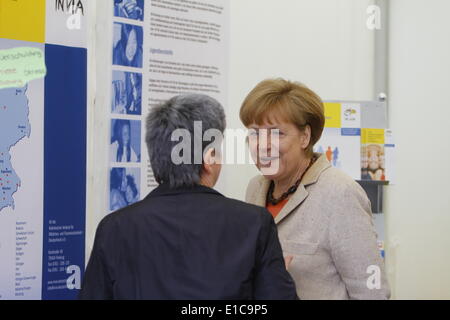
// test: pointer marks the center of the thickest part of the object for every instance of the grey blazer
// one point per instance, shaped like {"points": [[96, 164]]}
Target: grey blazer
{"points": [[327, 226]]}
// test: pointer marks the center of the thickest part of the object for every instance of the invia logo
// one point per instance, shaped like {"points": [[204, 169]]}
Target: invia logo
{"points": [[74, 8]]}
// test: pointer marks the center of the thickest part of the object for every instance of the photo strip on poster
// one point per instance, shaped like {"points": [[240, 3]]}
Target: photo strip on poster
{"points": [[125, 157]]}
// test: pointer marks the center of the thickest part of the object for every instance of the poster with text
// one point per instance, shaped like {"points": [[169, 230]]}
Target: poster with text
{"points": [[43, 71], [342, 149], [156, 50]]}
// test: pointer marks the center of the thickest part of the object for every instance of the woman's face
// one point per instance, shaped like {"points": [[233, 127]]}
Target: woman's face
{"points": [[277, 148], [125, 135], [131, 48], [374, 161]]}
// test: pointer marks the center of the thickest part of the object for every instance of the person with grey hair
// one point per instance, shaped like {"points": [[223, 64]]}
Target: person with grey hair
{"points": [[180, 117], [185, 240]]}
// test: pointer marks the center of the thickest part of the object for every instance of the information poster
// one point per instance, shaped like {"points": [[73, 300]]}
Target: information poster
{"points": [[355, 140], [341, 138], [158, 49], [43, 67]]}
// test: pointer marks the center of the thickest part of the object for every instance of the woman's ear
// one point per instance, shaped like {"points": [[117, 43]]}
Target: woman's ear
{"points": [[306, 136]]}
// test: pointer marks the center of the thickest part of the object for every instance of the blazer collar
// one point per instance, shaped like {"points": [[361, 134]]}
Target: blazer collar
{"points": [[164, 190], [310, 177]]}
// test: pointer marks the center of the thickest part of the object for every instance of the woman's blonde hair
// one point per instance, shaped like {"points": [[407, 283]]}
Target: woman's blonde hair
{"points": [[287, 101]]}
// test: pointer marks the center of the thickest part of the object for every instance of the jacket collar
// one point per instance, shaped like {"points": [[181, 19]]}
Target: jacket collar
{"points": [[310, 177], [164, 190]]}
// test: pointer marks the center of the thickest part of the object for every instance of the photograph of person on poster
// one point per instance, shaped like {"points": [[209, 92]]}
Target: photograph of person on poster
{"points": [[124, 187], [130, 9], [127, 49], [125, 140], [126, 93]]}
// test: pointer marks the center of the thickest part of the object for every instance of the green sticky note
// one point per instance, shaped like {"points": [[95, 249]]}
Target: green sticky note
{"points": [[19, 66]]}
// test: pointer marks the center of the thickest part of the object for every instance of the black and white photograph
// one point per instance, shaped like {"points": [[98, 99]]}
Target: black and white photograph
{"points": [[126, 93], [124, 187], [125, 141], [127, 46], [129, 9]]}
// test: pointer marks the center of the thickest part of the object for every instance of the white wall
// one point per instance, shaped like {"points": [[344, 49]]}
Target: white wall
{"points": [[322, 43], [418, 206]]}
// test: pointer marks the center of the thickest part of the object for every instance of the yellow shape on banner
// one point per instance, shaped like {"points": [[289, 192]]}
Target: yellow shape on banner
{"points": [[23, 20], [372, 136], [332, 115]]}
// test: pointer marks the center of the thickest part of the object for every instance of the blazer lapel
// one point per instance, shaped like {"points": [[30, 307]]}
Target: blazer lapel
{"points": [[311, 177], [258, 196], [294, 201]]}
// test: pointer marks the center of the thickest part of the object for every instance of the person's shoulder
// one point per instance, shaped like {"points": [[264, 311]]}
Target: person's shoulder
{"points": [[253, 186], [128, 213], [237, 204], [256, 180], [241, 209], [335, 181], [344, 191]]}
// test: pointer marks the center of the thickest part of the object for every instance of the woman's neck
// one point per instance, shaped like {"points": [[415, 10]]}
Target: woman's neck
{"points": [[283, 185]]}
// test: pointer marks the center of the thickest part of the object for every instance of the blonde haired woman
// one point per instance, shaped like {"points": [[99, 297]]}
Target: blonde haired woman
{"points": [[323, 216]]}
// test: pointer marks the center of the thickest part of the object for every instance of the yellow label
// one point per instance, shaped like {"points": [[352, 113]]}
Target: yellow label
{"points": [[332, 115], [23, 20], [372, 136]]}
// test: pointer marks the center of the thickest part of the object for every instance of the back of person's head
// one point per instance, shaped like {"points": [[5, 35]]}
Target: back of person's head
{"points": [[176, 131]]}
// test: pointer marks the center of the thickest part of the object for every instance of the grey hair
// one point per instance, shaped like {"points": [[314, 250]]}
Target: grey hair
{"points": [[180, 112]]}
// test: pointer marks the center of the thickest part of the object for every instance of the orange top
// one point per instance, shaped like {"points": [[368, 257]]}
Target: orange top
{"points": [[275, 209]]}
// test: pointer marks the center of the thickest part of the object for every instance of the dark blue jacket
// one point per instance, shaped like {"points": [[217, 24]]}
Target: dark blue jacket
{"points": [[190, 243]]}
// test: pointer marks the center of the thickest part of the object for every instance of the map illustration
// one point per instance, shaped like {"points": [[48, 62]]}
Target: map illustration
{"points": [[14, 126]]}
